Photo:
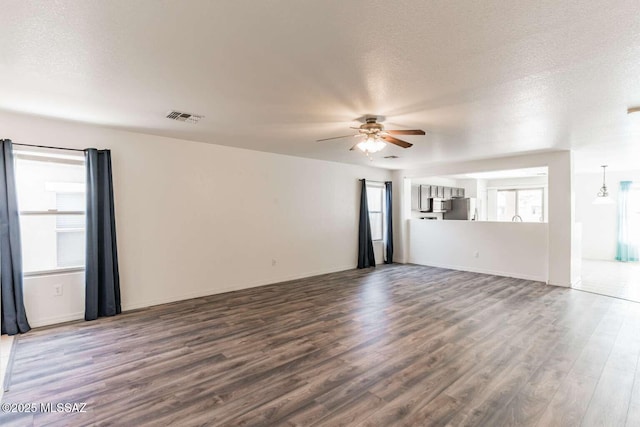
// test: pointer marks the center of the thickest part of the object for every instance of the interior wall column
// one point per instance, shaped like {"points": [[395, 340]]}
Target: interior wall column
{"points": [[561, 219]]}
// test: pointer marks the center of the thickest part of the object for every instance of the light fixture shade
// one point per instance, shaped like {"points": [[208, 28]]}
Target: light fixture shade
{"points": [[603, 200], [371, 145]]}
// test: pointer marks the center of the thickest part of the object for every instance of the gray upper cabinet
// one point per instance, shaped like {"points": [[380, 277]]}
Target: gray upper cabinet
{"points": [[426, 191], [415, 197], [421, 195], [448, 192], [425, 196]]}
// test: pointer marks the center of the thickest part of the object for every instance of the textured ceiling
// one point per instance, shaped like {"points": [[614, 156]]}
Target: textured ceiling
{"points": [[485, 79]]}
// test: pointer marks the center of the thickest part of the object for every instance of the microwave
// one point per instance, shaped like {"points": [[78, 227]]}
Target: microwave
{"points": [[437, 204]]}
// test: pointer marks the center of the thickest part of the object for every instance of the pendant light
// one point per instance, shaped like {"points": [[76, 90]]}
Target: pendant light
{"points": [[603, 198]]}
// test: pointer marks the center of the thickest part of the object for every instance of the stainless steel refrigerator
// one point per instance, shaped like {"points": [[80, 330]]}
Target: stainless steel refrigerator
{"points": [[462, 208]]}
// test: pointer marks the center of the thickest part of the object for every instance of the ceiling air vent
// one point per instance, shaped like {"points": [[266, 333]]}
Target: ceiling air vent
{"points": [[183, 117]]}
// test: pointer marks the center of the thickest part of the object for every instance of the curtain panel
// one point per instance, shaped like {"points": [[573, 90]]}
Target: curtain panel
{"points": [[102, 276], [14, 316], [366, 257], [626, 249]]}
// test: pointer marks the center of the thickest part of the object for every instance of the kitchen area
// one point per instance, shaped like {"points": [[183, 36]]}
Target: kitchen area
{"points": [[519, 195], [492, 222], [434, 202]]}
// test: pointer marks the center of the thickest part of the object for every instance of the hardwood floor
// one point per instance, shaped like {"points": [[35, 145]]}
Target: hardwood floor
{"points": [[398, 345]]}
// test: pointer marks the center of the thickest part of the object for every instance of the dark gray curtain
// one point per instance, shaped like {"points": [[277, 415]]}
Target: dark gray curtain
{"points": [[389, 223], [366, 256], [102, 278], [14, 316]]}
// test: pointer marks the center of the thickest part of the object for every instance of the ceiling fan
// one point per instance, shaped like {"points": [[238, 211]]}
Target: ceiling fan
{"points": [[376, 136]]}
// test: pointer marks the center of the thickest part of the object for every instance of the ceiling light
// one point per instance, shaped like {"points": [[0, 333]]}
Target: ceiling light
{"points": [[602, 198], [372, 144]]}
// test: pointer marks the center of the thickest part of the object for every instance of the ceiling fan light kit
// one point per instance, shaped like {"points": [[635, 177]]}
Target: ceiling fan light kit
{"points": [[371, 145], [377, 137]]}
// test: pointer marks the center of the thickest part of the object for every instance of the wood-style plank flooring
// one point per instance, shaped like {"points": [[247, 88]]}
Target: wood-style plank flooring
{"points": [[396, 345]]}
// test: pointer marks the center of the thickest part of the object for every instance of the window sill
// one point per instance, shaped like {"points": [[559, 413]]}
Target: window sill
{"points": [[65, 270]]}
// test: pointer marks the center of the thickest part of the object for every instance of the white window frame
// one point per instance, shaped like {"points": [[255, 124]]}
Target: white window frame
{"points": [[46, 157], [382, 206], [517, 208]]}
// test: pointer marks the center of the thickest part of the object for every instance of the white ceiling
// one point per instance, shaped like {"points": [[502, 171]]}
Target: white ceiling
{"points": [[504, 174], [484, 79]]}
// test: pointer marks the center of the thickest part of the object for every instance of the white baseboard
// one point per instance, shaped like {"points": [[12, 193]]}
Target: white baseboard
{"points": [[486, 271], [46, 321], [229, 288], [560, 285]]}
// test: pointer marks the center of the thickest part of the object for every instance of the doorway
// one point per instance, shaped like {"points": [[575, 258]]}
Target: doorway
{"points": [[610, 234]]}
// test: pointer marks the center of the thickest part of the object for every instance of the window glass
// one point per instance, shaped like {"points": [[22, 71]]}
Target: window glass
{"points": [[375, 201], [71, 201], [526, 205], [530, 205], [44, 244], [70, 248], [39, 182], [375, 218], [51, 198], [374, 198], [506, 205]]}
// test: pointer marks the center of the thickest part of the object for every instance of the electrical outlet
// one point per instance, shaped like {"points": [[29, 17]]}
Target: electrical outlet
{"points": [[476, 254], [57, 290]]}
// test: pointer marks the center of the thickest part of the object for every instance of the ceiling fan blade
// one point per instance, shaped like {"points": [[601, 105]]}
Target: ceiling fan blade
{"points": [[354, 146], [335, 137], [406, 132], [396, 141]]}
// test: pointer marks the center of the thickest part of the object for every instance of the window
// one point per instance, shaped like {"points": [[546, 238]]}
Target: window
{"points": [[375, 203], [51, 198], [521, 204]]}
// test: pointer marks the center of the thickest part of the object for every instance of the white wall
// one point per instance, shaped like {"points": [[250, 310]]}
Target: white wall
{"points": [[401, 212], [502, 248], [561, 213], [44, 308], [197, 219], [599, 222], [483, 200], [470, 186], [436, 180]]}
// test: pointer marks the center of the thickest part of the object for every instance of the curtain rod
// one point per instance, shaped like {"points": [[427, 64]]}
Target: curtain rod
{"points": [[47, 146], [370, 180]]}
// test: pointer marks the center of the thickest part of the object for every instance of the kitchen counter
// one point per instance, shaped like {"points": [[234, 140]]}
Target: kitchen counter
{"points": [[512, 249]]}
